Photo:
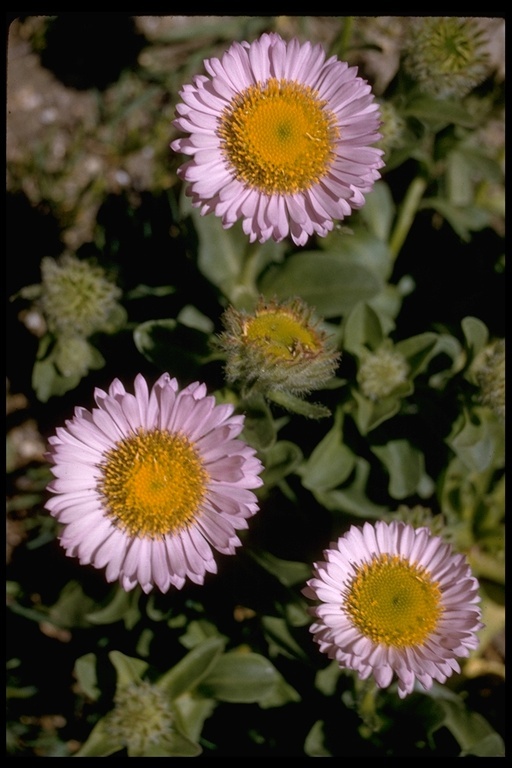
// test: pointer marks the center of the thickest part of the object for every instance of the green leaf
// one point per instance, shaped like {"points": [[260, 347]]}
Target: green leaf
{"points": [[259, 428], [327, 679], [191, 713], [85, 673], [279, 635], [379, 210], [227, 259], [491, 745], [174, 744], [369, 414], [122, 607], [362, 327], [472, 731], [129, 670], [418, 350], [280, 460], [476, 334], [190, 671], [142, 291], [193, 318], [478, 439], [405, 465], [71, 608], [99, 742], [288, 572], [197, 631], [241, 677], [47, 381], [314, 744], [438, 113], [353, 500], [332, 283], [280, 694], [330, 462], [360, 247]]}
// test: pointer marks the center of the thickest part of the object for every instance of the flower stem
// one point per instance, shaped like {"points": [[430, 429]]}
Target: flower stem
{"points": [[245, 292], [341, 42], [406, 215]]}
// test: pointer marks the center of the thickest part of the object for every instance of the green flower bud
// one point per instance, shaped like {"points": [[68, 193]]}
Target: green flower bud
{"points": [[141, 717], [381, 372], [278, 347], [489, 374], [422, 517], [392, 127], [74, 356], [447, 55], [77, 298]]}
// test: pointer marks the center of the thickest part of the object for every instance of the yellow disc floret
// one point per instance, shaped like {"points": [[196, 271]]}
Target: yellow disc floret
{"points": [[282, 334], [394, 602], [278, 137], [153, 483]]}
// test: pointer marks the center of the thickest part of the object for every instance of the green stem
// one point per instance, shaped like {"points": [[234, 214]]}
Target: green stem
{"points": [[244, 293], [341, 42], [406, 215], [251, 265]]}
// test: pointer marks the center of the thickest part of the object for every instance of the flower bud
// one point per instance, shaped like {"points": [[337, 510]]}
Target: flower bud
{"points": [[278, 347], [447, 55], [77, 298], [489, 373], [381, 372]]}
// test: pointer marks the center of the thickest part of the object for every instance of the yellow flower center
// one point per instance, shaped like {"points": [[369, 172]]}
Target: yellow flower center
{"points": [[281, 335], [153, 483], [278, 136], [394, 602]]}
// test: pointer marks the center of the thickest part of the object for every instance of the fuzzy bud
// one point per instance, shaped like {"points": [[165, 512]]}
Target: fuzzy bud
{"points": [[381, 372], [447, 55], [278, 347], [77, 298], [141, 717]]}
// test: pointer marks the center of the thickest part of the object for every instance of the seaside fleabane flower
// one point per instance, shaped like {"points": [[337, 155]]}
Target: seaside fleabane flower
{"points": [[148, 484], [280, 137], [394, 600]]}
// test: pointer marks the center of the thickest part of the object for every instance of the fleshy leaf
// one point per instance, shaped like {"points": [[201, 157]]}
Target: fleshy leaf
{"points": [[314, 744], [478, 439], [190, 671], [172, 745], [241, 677], [122, 607], [330, 462], [353, 499], [288, 572], [85, 673], [362, 328], [406, 467], [129, 670], [280, 460], [304, 274], [99, 742], [191, 711]]}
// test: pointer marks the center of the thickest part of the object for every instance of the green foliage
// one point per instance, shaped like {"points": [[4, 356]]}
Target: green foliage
{"points": [[414, 279]]}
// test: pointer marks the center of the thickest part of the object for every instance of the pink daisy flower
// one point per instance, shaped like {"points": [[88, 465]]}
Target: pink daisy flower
{"points": [[394, 600], [148, 484], [280, 138]]}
